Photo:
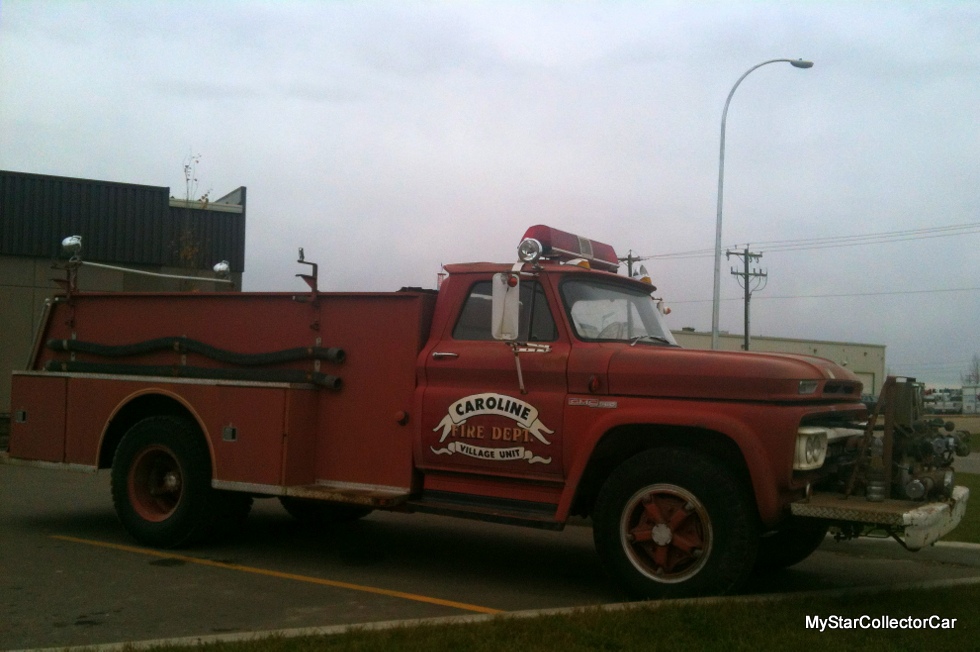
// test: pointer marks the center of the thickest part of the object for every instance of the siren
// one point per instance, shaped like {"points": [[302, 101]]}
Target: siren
{"points": [[542, 241]]}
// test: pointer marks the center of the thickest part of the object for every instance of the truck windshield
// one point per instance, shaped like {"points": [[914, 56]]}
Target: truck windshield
{"points": [[609, 312]]}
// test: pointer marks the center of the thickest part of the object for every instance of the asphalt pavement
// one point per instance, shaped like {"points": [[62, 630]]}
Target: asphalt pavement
{"points": [[70, 575]]}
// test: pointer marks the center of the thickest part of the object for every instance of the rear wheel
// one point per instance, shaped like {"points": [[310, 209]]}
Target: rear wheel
{"points": [[161, 485], [672, 523]]}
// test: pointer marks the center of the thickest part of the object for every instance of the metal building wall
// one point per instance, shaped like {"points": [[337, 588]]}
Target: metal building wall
{"points": [[867, 361], [119, 223], [133, 226]]}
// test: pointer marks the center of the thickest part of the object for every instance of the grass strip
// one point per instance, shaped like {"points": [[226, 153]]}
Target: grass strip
{"points": [[947, 621]]}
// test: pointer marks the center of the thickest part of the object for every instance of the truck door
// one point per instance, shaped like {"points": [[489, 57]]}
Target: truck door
{"points": [[475, 418]]}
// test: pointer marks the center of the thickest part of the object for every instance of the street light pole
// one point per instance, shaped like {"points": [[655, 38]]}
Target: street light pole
{"points": [[796, 63]]}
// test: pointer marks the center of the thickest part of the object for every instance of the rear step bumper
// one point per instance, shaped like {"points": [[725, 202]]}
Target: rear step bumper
{"points": [[920, 524]]}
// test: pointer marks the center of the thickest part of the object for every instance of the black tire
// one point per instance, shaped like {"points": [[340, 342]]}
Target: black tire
{"points": [[794, 541], [161, 486], [318, 512], [670, 523]]}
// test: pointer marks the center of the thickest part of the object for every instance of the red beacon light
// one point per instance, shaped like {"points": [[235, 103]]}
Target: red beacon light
{"points": [[545, 242]]}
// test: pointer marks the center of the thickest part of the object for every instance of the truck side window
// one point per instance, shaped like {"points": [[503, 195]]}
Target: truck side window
{"points": [[537, 324], [542, 325]]}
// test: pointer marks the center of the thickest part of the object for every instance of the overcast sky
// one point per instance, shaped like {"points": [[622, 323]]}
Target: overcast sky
{"points": [[388, 138]]}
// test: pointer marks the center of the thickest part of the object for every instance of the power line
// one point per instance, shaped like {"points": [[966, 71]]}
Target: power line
{"points": [[835, 296], [874, 238], [842, 241]]}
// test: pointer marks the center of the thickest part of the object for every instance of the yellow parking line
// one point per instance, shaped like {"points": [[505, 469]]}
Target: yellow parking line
{"points": [[284, 576]]}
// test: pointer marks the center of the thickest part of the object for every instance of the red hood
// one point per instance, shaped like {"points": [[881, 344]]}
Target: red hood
{"points": [[681, 373]]}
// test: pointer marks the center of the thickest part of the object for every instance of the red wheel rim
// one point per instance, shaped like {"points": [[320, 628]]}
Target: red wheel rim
{"points": [[666, 533], [155, 483]]}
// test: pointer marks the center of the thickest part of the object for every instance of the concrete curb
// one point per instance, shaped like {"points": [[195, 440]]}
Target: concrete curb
{"points": [[534, 613]]}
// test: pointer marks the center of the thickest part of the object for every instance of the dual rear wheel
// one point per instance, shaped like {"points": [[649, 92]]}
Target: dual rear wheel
{"points": [[161, 486], [161, 489]]}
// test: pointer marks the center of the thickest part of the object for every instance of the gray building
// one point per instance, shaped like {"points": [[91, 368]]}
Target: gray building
{"points": [[126, 225]]}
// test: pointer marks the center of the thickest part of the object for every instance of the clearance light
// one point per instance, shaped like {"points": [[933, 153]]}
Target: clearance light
{"points": [[563, 246], [643, 275], [809, 386]]}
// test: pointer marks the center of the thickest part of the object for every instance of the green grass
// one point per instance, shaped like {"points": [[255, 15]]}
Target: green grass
{"points": [[730, 625], [734, 625], [969, 528]]}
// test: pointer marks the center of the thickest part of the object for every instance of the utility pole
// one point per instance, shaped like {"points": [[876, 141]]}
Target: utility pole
{"points": [[629, 260], [750, 280]]}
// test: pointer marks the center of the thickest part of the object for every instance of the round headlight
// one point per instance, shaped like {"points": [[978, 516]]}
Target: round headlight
{"points": [[814, 449], [529, 250], [811, 448]]}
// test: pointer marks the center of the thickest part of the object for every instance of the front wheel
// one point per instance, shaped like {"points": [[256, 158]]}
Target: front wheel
{"points": [[794, 541], [161, 485], [672, 523]]}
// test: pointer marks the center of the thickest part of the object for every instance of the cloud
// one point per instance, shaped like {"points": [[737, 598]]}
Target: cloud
{"points": [[390, 138]]}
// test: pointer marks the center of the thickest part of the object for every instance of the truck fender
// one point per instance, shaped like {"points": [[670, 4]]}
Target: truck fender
{"points": [[138, 405], [753, 454]]}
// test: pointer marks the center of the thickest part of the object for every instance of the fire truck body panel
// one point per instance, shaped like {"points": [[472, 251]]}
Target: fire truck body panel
{"points": [[524, 394], [270, 434]]}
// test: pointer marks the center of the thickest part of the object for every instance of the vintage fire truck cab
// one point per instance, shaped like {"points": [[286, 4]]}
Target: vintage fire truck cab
{"points": [[525, 393]]}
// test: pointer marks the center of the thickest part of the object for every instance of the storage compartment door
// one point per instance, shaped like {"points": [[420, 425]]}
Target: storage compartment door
{"points": [[37, 417]]}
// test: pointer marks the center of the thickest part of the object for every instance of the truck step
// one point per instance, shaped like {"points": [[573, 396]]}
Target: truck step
{"points": [[493, 510], [352, 493]]}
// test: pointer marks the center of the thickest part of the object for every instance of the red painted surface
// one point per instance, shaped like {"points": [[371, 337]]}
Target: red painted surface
{"points": [[419, 410], [37, 429]]}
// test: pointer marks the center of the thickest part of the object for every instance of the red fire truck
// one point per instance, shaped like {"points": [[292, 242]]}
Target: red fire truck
{"points": [[523, 393]]}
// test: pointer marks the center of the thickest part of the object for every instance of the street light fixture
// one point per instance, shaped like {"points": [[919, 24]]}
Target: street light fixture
{"points": [[796, 63]]}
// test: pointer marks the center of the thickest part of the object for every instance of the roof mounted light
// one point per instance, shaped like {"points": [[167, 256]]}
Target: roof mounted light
{"points": [[72, 245], [563, 246], [222, 269], [529, 250]]}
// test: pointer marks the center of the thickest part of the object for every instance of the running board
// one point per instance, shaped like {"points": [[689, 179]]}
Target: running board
{"points": [[492, 510], [352, 493]]}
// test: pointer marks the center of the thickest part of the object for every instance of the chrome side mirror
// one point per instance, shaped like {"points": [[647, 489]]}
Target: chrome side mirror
{"points": [[506, 307]]}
